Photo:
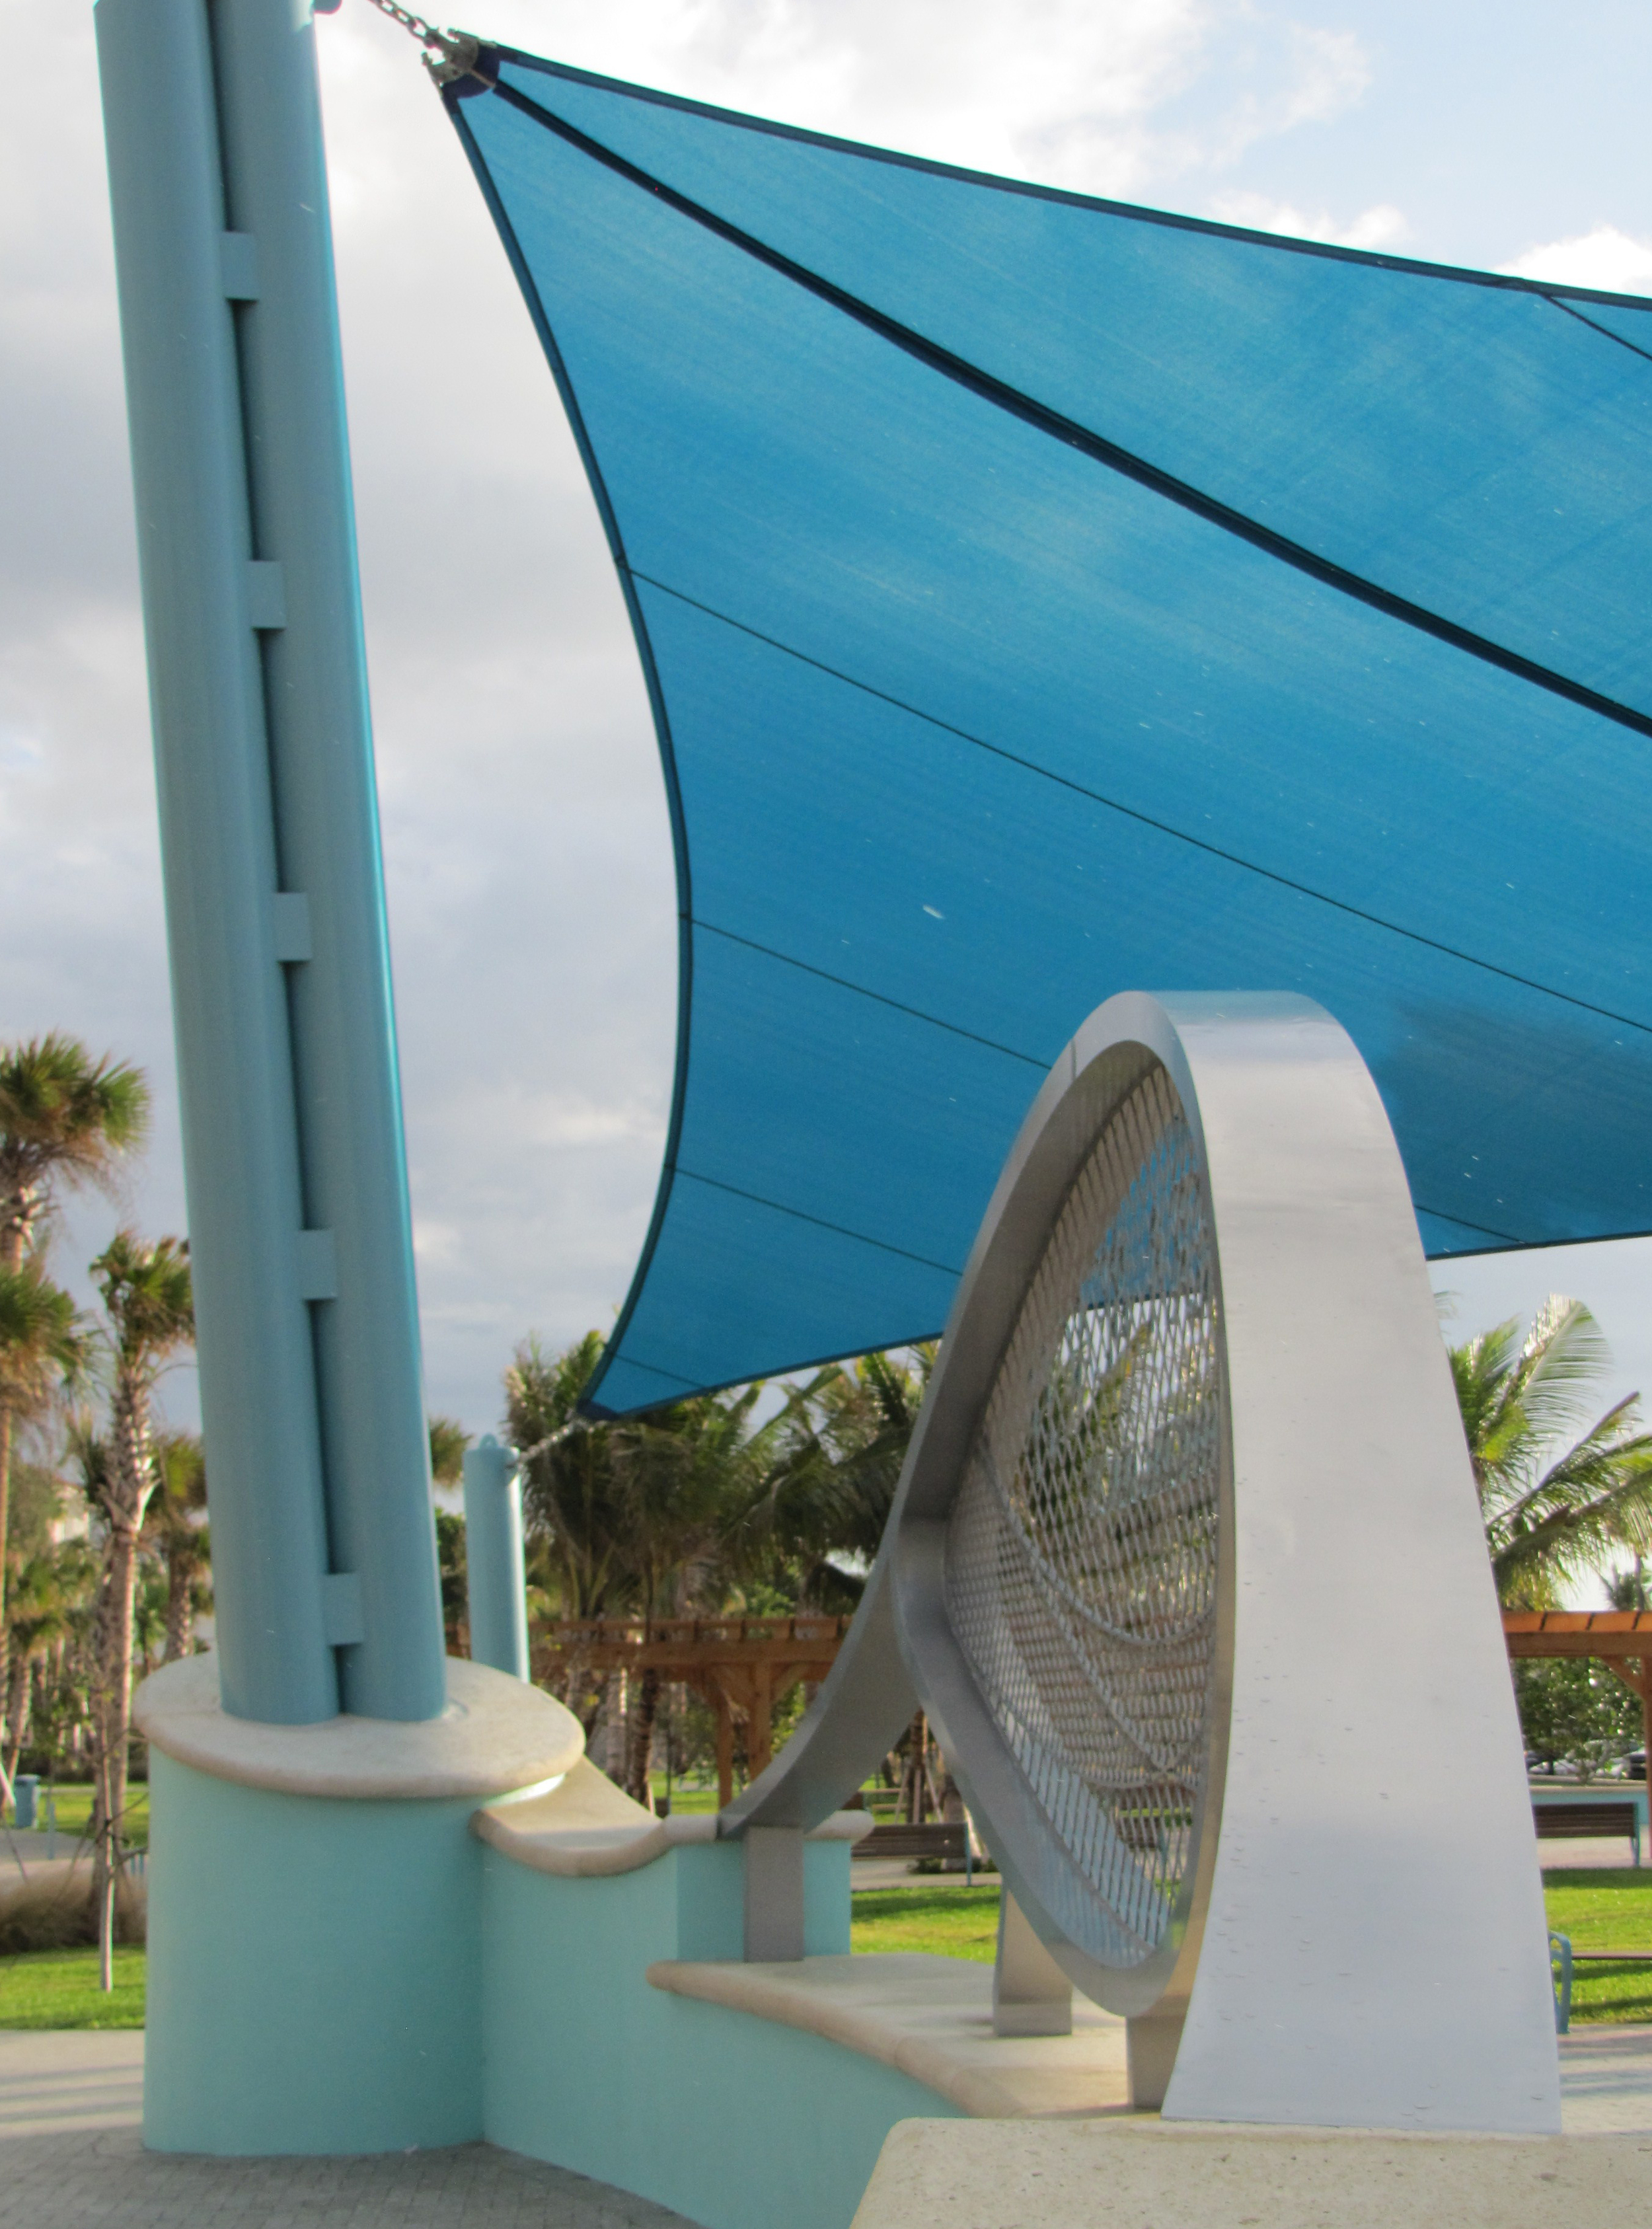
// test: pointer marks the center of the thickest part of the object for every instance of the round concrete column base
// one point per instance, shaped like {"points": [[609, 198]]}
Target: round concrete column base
{"points": [[315, 1915]]}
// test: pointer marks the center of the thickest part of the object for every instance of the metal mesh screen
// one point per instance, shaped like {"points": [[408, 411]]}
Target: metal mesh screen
{"points": [[1082, 1550]]}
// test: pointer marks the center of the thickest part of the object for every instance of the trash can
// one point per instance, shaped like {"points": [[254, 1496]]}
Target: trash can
{"points": [[26, 1788]]}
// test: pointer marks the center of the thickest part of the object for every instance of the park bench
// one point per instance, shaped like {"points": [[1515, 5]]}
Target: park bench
{"points": [[901, 1840], [1566, 1822], [1563, 1960]]}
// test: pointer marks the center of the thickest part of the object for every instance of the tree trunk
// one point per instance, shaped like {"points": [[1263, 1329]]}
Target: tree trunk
{"points": [[131, 1482], [913, 1775], [596, 1703], [111, 1709], [5, 1521], [640, 1747], [17, 1714], [105, 1897], [180, 1603], [16, 1231]]}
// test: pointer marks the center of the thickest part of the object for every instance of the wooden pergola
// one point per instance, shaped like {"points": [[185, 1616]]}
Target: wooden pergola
{"points": [[742, 1666], [1622, 1639]]}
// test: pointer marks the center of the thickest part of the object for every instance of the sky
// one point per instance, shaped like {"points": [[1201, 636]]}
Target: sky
{"points": [[527, 848]]}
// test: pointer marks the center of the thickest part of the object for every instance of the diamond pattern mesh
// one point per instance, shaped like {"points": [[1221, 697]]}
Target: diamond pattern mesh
{"points": [[1082, 1549]]}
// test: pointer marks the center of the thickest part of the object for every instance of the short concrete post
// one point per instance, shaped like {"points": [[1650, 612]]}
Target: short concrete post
{"points": [[496, 1575], [773, 1929], [1030, 1994], [1151, 2042]]}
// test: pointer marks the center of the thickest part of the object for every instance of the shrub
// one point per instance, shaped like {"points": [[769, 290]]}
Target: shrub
{"points": [[56, 1914]]}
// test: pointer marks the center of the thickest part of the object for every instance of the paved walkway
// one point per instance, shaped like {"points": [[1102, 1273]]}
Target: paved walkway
{"points": [[23, 1856], [70, 2155]]}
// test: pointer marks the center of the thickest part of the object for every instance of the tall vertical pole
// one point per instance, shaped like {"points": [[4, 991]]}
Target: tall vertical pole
{"points": [[324, 1552], [375, 1448], [200, 590], [496, 1577]]}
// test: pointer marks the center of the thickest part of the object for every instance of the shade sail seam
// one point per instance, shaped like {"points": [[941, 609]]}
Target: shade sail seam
{"points": [[1605, 332], [1501, 282], [1506, 1238], [1042, 418], [1146, 821], [821, 1223], [690, 1385], [861, 991]]}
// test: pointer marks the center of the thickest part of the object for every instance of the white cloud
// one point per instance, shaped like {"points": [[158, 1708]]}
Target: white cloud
{"points": [[1081, 93], [1612, 261], [1381, 225]]}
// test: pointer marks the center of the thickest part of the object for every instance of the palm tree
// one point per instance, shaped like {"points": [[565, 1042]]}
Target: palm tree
{"points": [[177, 1531], [1554, 1506], [637, 1518], [37, 1608], [570, 1497], [41, 1348], [842, 1440], [448, 1440], [686, 1475], [146, 1297], [572, 1517], [66, 1121]]}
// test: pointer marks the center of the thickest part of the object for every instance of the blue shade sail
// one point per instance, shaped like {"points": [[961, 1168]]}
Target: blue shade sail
{"points": [[1042, 598]]}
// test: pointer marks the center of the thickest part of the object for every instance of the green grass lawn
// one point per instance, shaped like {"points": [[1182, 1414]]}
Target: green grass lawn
{"points": [[74, 1810], [951, 1922], [881, 1800], [1605, 1911], [59, 1988]]}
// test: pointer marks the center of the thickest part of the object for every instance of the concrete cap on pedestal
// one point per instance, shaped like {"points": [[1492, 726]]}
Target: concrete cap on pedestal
{"points": [[496, 1734], [587, 1826]]}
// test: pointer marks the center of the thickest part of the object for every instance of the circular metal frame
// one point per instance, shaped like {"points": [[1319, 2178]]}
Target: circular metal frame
{"points": [[1131, 1969]]}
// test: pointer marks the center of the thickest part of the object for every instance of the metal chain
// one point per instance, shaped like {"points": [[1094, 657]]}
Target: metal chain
{"points": [[447, 55]]}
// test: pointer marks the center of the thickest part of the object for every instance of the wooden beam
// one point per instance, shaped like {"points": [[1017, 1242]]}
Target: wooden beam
{"points": [[725, 1750], [1576, 1632], [1632, 1674], [1607, 1634], [760, 1720]]}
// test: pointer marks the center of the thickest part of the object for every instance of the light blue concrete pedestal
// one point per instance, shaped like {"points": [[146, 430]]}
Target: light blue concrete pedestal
{"points": [[339, 1963], [733, 2120], [314, 1970], [315, 1917]]}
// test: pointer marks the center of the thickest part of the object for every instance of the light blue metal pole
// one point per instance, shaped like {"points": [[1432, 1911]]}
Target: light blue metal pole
{"points": [[495, 1576], [203, 598], [323, 1542], [375, 1448]]}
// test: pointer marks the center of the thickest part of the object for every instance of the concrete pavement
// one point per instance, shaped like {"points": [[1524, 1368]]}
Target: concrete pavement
{"points": [[71, 2154]]}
